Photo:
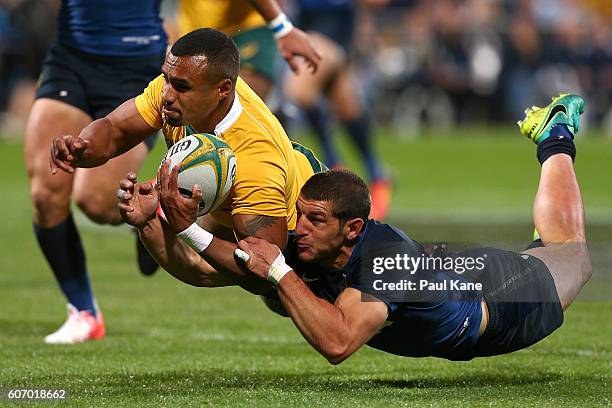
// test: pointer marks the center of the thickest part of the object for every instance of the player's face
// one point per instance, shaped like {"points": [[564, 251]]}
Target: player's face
{"points": [[188, 97], [319, 233]]}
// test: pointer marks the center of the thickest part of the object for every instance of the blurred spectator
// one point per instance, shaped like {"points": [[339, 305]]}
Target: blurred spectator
{"points": [[445, 61], [27, 28]]}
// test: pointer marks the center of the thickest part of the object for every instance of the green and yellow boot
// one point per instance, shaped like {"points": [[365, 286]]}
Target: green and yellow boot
{"points": [[565, 109]]}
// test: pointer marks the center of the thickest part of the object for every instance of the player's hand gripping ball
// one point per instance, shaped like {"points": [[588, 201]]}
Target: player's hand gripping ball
{"points": [[207, 161]]}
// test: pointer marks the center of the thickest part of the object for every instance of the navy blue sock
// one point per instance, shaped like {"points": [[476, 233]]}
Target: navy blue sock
{"points": [[319, 120], [359, 131], [560, 140], [63, 249]]}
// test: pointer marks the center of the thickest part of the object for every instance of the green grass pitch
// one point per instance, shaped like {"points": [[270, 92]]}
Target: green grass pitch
{"points": [[169, 344]]}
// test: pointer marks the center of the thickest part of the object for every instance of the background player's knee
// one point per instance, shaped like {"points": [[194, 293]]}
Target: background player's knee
{"points": [[50, 194], [303, 96], [51, 205], [95, 188], [99, 207], [346, 98]]}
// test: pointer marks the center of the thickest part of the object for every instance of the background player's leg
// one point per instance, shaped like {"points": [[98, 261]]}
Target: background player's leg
{"points": [[348, 105], [95, 188], [319, 119], [53, 224], [306, 89], [94, 193], [349, 108], [559, 218], [258, 83]]}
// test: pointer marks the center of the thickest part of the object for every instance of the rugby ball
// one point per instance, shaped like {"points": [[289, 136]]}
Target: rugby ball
{"points": [[207, 161]]}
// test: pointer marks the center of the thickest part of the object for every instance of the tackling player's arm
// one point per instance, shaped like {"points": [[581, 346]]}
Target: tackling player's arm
{"points": [[334, 330], [220, 253], [101, 140]]}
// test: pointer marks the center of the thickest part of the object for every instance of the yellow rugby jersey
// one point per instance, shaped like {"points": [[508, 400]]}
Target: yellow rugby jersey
{"points": [[229, 16], [270, 171]]}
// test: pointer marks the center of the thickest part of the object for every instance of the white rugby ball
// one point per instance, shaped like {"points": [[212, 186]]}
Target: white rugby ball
{"points": [[207, 161]]}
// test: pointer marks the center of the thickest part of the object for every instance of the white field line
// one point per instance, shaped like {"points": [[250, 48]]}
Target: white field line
{"points": [[215, 336]]}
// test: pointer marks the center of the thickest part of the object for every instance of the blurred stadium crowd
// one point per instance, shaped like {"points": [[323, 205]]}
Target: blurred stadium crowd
{"points": [[422, 62], [447, 60]]}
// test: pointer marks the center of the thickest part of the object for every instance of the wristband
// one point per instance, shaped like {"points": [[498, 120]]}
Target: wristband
{"points": [[196, 237], [278, 270], [280, 26]]}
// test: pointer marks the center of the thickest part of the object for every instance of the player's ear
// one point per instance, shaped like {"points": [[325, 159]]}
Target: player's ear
{"points": [[225, 88], [352, 228]]}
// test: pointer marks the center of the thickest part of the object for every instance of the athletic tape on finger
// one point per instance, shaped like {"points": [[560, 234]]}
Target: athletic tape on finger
{"points": [[243, 256]]}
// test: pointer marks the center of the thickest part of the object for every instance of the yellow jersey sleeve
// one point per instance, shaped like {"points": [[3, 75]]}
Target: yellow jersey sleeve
{"points": [[259, 188], [149, 103]]}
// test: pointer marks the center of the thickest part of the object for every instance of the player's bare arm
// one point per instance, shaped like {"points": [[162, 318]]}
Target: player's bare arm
{"points": [[272, 229], [101, 140], [334, 330], [292, 42], [138, 203], [178, 259]]}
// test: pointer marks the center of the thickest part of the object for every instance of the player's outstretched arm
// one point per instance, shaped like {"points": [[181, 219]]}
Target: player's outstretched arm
{"points": [[138, 203], [177, 258], [292, 42], [334, 330], [101, 140]]}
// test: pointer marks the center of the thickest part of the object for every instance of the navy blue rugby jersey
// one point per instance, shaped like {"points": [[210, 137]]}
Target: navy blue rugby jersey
{"points": [[422, 322], [112, 27], [327, 5]]}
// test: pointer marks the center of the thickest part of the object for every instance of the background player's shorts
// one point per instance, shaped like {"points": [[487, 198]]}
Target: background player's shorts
{"points": [[96, 84], [523, 303], [338, 25], [257, 49]]}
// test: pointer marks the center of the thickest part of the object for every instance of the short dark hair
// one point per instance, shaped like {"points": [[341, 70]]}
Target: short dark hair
{"points": [[347, 192], [221, 54]]}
